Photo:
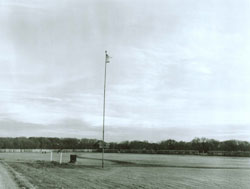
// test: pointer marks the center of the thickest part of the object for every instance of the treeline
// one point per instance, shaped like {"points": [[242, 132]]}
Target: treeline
{"points": [[203, 145], [47, 143], [198, 144]]}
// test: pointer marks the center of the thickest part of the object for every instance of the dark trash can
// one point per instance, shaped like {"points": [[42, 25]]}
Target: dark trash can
{"points": [[72, 158]]}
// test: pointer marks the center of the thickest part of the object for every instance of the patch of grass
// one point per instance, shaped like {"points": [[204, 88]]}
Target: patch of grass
{"points": [[20, 180], [39, 175]]}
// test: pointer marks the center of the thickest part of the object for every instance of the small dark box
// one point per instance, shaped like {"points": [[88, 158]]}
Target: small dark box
{"points": [[72, 158]]}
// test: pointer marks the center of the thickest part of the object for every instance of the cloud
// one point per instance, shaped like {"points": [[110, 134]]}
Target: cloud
{"points": [[174, 64], [80, 129], [65, 128]]}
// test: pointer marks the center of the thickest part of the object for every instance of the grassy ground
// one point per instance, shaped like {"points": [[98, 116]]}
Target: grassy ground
{"points": [[131, 171]]}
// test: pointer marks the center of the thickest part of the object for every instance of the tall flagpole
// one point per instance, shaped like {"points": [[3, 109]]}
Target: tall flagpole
{"points": [[104, 100]]}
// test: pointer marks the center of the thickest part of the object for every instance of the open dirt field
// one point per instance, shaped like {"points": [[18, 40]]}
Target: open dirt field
{"points": [[130, 171]]}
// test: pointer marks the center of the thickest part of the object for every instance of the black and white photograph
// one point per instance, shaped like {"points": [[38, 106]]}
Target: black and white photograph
{"points": [[128, 94]]}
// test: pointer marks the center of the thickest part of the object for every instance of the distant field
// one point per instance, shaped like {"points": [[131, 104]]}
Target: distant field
{"points": [[131, 171]]}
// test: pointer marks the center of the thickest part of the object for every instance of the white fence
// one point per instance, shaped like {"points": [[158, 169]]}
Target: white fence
{"points": [[46, 150]]}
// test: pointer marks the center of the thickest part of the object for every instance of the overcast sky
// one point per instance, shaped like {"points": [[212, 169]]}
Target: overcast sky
{"points": [[179, 69]]}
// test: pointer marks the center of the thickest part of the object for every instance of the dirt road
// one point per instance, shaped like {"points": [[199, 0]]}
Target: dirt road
{"points": [[6, 181]]}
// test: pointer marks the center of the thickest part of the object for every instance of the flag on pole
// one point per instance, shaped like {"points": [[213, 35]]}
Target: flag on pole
{"points": [[107, 58]]}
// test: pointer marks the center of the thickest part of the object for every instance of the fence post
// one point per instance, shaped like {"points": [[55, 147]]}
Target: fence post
{"points": [[51, 156], [61, 158]]}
